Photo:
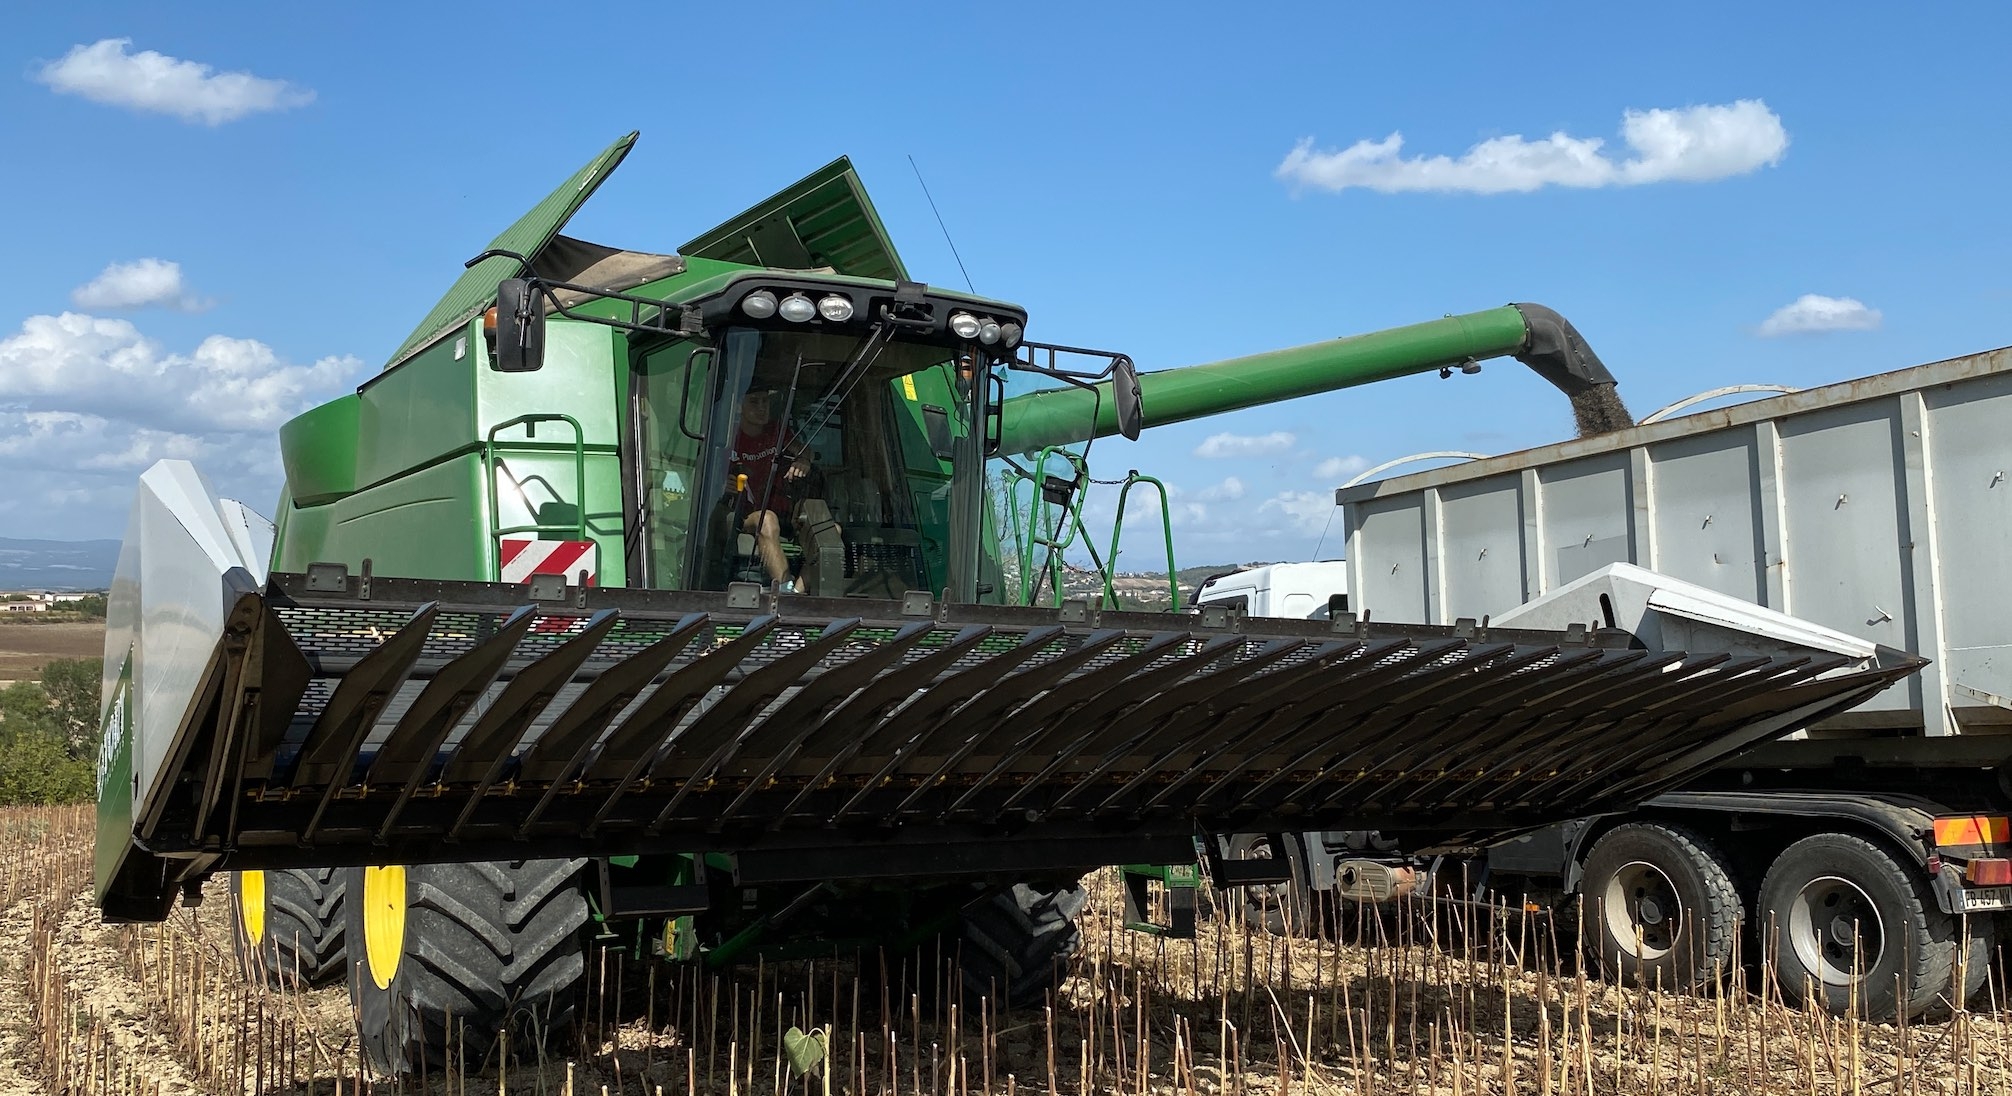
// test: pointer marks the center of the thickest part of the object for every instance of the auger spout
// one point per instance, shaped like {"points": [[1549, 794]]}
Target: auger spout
{"points": [[1531, 333]]}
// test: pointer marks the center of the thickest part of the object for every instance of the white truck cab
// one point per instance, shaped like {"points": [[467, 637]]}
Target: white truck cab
{"points": [[1296, 590]]}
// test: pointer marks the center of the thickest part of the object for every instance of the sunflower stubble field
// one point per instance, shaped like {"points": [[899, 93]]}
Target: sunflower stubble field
{"points": [[1432, 1000]]}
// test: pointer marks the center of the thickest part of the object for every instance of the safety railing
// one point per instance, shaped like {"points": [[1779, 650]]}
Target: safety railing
{"points": [[491, 464]]}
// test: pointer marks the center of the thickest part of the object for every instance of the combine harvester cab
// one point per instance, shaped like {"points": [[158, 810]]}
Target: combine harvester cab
{"points": [[368, 700]]}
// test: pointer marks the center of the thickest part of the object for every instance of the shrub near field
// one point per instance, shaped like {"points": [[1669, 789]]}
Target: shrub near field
{"points": [[49, 735]]}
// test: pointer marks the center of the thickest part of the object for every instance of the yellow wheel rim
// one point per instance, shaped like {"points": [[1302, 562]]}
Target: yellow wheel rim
{"points": [[383, 922], [251, 905]]}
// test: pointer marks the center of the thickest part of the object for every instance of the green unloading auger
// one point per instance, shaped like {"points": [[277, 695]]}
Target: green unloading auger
{"points": [[1531, 333]]}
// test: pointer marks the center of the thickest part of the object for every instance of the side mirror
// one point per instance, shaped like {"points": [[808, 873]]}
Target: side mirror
{"points": [[1125, 395], [520, 327], [936, 424]]}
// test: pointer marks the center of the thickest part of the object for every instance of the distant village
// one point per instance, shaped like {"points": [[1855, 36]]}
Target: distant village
{"points": [[47, 601]]}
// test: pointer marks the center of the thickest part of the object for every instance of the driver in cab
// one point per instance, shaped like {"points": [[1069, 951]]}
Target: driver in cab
{"points": [[766, 465]]}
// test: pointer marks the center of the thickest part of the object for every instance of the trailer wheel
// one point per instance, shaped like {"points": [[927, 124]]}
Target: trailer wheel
{"points": [[1662, 908], [287, 926], [1016, 943], [495, 949], [1278, 908], [1837, 909]]}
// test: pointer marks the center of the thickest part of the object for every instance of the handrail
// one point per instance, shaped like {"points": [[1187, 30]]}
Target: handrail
{"points": [[1067, 525], [1132, 479], [490, 449]]}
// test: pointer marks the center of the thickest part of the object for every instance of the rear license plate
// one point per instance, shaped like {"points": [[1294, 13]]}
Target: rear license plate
{"points": [[1987, 898]]}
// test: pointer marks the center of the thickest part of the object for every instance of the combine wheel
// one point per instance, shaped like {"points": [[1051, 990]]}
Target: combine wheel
{"points": [[1836, 908], [288, 925], [1662, 908], [1278, 908], [493, 948], [1017, 943]]}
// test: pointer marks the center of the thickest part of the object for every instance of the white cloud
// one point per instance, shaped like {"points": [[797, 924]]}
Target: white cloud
{"points": [[1813, 312], [1688, 144], [138, 284], [104, 72], [1336, 469], [1229, 490], [106, 367], [1246, 445], [55, 441], [87, 403], [1303, 511]]}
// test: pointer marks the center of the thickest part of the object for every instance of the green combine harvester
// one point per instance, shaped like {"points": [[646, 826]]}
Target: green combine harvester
{"points": [[676, 603]]}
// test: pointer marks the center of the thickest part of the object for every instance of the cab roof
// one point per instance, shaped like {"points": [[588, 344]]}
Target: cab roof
{"points": [[825, 221]]}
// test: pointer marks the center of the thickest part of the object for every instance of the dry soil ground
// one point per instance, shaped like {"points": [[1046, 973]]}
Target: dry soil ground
{"points": [[90, 1008], [25, 647]]}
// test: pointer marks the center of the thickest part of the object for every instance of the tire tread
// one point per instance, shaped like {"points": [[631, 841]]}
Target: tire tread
{"points": [[1722, 912], [489, 948], [305, 930]]}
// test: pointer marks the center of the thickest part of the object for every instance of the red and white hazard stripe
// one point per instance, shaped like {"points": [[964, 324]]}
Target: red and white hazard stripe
{"points": [[523, 558]]}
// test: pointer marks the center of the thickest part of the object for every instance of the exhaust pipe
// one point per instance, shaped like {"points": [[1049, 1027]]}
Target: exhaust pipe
{"points": [[1371, 881]]}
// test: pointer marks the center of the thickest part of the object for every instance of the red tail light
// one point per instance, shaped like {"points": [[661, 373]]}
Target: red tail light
{"points": [[1990, 872]]}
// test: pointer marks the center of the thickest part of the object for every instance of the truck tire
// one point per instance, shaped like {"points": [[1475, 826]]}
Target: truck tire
{"points": [[1814, 894], [288, 926], [1278, 908], [1016, 944], [493, 948], [1662, 909]]}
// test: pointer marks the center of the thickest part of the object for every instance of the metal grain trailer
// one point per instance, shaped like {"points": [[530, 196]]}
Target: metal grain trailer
{"points": [[1880, 509]]}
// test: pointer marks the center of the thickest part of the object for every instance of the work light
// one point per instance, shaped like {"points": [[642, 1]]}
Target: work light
{"points": [[796, 308]]}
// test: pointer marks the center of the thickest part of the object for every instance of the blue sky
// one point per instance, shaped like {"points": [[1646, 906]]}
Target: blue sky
{"points": [[1117, 170]]}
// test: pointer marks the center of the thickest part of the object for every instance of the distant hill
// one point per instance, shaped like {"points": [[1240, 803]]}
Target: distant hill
{"points": [[57, 564]]}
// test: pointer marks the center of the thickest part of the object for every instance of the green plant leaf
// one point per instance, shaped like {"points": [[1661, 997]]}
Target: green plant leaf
{"points": [[806, 1052]]}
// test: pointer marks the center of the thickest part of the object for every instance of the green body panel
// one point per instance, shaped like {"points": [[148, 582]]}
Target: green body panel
{"points": [[115, 780], [1062, 416], [318, 450], [433, 523], [437, 403], [418, 504], [477, 286], [825, 221], [390, 525]]}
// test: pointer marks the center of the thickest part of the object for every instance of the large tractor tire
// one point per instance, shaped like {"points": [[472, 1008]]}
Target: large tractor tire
{"points": [[288, 926], [1662, 907], [1835, 906], [1015, 944], [488, 948]]}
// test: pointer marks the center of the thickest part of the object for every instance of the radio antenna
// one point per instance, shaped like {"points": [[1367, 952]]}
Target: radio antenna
{"points": [[944, 227]]}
